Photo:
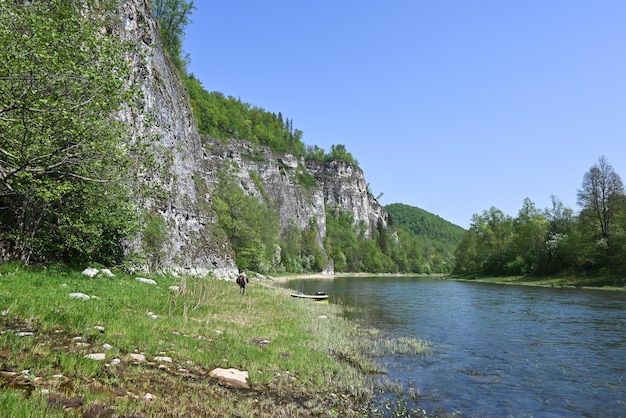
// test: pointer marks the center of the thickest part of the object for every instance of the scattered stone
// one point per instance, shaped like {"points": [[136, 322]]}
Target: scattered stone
{"points": [[90, 272], [79, 338], [44, 391], [108, 272], [263, 342], [322, 317], [79, 295], [116, 361], [107, 346], [174, 288], [152, 315], [58, 376], [94, 297], [146, 281], [81, 344], [149, 397], [231, 377], [97, 356], [25, 334], [137, 357], [163, 359], [99, 328]]}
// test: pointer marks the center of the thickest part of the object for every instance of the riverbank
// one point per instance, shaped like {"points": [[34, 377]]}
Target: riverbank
{"points": [[73, 345], [320, 276]]}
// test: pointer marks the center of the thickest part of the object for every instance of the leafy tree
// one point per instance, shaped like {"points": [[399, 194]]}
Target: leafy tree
{"points": [[602, 195], [529, 231], [339, 152], [486, 244], [64, 157], [173, 17]]}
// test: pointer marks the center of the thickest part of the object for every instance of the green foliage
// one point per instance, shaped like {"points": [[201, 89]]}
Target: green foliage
{"points": [[173, 17], [351, 251], [337, 153], [552, 241], [427, 242], [251, 226], [154, 234], [304, 178], [64, 158], [229, 118]]}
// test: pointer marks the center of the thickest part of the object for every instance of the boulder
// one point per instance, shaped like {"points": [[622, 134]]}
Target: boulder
{"points": [[90, 272], [231, 377], [144, 280]]}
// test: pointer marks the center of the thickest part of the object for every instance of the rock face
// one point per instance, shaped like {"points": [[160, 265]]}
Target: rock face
{"points": [[187, 169], [338, 185], [194, 244]]}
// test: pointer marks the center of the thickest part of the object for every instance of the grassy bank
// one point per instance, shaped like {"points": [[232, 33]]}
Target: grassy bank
{"points": [[303, 359]]}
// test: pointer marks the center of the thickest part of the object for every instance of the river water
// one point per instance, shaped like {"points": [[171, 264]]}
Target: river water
{"points": [[497, 351]]}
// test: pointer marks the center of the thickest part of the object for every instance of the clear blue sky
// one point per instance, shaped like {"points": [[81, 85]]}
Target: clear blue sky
{"points": [[450, 106]]}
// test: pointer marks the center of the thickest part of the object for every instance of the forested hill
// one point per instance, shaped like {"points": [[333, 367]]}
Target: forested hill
{"points": [[428, 228]]}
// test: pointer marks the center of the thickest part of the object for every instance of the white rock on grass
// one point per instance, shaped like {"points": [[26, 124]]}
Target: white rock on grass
{"points": [[90, 272], [144, 280], [79, 295], [97, 356], [107, 272], [163, 359]]}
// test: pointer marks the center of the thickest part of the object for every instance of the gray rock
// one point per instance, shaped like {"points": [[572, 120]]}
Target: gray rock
{"points": [[78, 295]]}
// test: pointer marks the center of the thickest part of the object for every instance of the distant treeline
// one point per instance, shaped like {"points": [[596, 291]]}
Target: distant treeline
{"points": [[554, 240]]}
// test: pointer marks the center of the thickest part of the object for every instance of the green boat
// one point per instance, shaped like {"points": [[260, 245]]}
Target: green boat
{"points": [[316, 296]]}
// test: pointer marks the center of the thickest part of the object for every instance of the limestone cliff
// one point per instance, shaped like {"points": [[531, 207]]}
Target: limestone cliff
{"points": [[187, 169], [194, 243], [337, 185]]}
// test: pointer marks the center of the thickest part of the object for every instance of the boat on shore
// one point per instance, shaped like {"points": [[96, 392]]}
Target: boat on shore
{"points": [[316, 296]]}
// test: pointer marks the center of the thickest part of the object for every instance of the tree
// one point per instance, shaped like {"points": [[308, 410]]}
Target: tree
{"points": [[530, 229], [64, 157], [602, 195], [173, 17]]}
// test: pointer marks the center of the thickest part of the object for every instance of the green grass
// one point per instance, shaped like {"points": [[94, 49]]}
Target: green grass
{"points": [[303, 358]]}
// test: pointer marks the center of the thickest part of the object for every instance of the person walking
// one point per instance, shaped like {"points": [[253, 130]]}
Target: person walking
{"points": [[242, 281]]}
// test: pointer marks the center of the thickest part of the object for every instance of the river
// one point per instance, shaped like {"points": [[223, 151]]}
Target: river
{"points": [[497, 350]]}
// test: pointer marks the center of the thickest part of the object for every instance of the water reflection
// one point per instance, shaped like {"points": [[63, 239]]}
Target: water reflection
{"points": [[498, 350]]}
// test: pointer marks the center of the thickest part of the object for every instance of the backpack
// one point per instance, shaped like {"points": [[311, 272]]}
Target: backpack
{"points": [[241, 281]]}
